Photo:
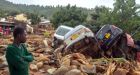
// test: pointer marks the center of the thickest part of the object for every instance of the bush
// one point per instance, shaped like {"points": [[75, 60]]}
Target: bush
{"points": [[47, 34]]}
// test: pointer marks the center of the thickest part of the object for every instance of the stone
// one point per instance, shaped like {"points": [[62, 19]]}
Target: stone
{"points": [[91, 69], [73, 67], [75, 62], [42, 70], [42, 58], [30, 49], [100, 69], [45, 42], [40, 50], [33, 67], [133, 72], [74, 72], [36, 54], [65, 61], [61, 71], [39, 64], [111, 68], [120, 71], [51, 71], [78, 56]]}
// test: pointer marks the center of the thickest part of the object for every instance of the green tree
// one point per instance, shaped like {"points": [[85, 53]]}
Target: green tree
{"points": [[127, 15], [101, 15], [35, 19], [3, 13], [69, 15], [126, 11]]}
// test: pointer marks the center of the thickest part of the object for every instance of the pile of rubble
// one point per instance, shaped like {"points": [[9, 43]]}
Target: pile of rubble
{"points": [[78, 64], [48, 62], [41, 49], [4, 41]]}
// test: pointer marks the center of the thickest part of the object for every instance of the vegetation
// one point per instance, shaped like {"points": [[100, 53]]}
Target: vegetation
{"points": [[35, 19], [125, 14], [69, 15]]}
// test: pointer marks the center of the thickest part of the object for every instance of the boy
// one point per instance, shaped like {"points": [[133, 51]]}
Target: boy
{"points": [[17, 56]]}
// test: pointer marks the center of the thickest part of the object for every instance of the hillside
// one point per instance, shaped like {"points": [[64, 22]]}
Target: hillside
{"points": [[47, 11], [9, 6]]}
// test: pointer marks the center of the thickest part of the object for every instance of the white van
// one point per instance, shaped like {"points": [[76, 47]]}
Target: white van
{"points": [[78, 39], [60, 32]]}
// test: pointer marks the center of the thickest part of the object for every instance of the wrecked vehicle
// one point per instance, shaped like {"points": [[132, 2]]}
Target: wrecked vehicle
{"points": [[80, 39], [115, 43], [61, 31], [110, 41], [108, 35]]}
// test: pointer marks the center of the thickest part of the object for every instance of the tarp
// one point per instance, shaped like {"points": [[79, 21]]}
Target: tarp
{"points": [[130, 41]]}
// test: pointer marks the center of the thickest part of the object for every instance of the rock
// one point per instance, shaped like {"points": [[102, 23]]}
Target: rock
{"points": [[74, 72], [36, 54], [136, 73], [42, 58], [51, 71], [46, 67], [40, 50], [58, 50], [48, 50], [61, 71], [120, 71], [45, 42], [39, 64], [3, 62], [111, 68], [2, 58], [2, 66], [33, 67], [133, 72], [100, 69], [11, 39], [4, 72], [35, 73], [90, 69], [73, 67], [31, 49], [49, 41], [82, 61], [78, 56], [42, 70], [75, 62], [65, 61], [3, 46]]}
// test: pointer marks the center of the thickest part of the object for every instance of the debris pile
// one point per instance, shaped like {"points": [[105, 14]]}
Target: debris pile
{"points": [[4, 41], [48, 61], [78, 64]]}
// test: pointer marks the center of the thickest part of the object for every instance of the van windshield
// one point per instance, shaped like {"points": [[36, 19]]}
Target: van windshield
{"points": [[62, 31]]}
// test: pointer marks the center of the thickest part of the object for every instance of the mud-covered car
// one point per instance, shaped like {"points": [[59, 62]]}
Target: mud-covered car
{"points": [[60, 32]]}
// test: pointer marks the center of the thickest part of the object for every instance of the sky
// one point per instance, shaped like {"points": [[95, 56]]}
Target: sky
{"points": [[79, 3]]}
